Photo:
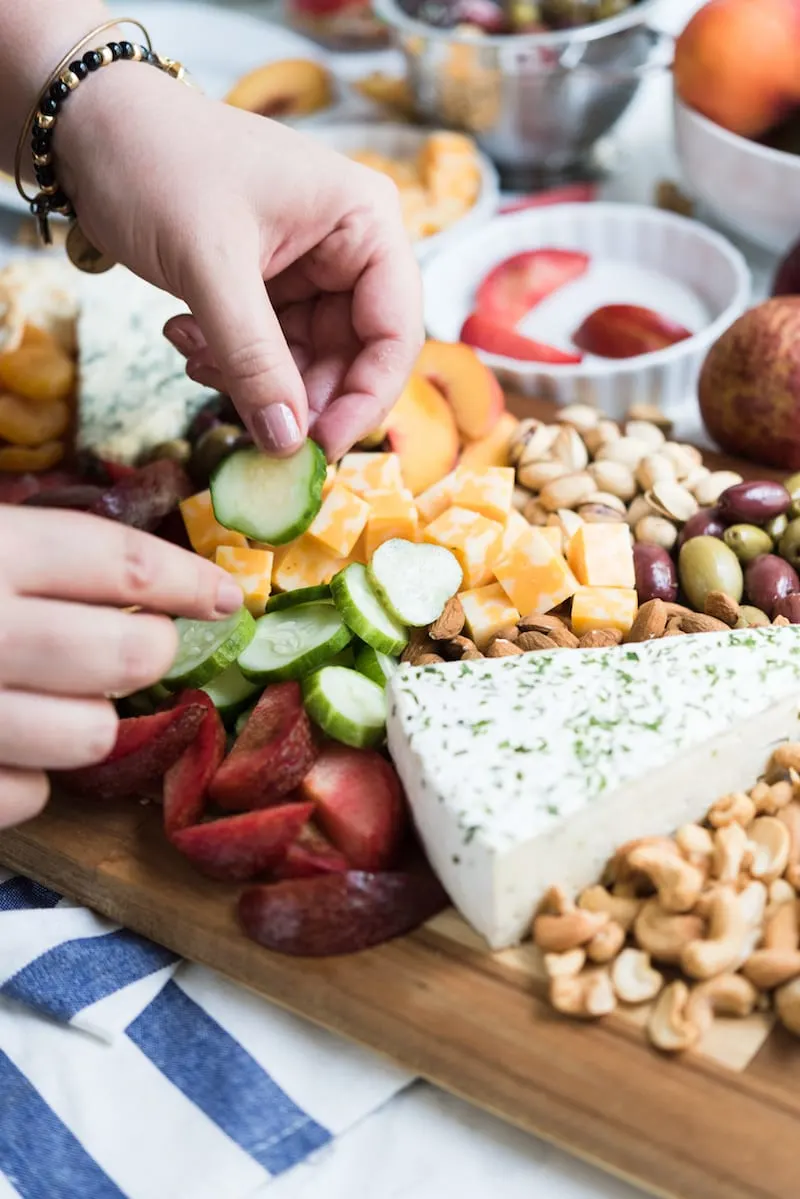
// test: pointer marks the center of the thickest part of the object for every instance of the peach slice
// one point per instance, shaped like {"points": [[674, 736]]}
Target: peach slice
{"points": [[491, 450], [293, 87], [470, 388], [421, 430]]}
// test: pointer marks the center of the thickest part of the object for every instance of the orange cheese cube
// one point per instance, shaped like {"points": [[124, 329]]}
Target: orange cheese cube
{"points": [[602, 555], [534, 575], [603, 608], [473, 539], [252, 570], [554, 536], [436, 499], [330, 479], [391, 514], [488, 492], [363, 473], [340, 521], [305, 563], [487, 610], [515, 526], [204, 531]]}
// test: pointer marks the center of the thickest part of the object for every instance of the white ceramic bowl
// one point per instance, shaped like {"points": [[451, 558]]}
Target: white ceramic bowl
{"points": [[751, 188], [403, 141], [638, 255]]}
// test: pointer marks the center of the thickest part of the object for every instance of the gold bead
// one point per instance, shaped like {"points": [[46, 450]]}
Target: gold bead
{"points": [[137, 53], [70, 79], [106, 56], [44, 120], [49, 190], [42, 160]]}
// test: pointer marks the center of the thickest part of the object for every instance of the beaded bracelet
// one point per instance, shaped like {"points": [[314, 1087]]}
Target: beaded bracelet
{"points": [[68, 75]]}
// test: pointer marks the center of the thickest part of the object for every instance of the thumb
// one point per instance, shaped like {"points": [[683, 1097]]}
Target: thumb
{"points": [[229, 301]]}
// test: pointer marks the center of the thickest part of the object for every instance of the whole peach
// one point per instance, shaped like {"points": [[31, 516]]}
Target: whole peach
{"points": [[737, 62], [749, 386]]}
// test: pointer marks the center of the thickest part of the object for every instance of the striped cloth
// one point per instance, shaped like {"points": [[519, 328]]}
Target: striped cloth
{"points": [[127, 1072]]}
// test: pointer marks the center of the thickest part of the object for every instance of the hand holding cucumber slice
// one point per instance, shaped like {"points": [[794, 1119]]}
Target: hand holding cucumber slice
{"points": [[289, 644], [413, 582], [207, 647], [346, 705], [268, 499], [364, 613]]}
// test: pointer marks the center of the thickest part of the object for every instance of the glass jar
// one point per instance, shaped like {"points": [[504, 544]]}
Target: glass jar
{"points": [[338, 24]]}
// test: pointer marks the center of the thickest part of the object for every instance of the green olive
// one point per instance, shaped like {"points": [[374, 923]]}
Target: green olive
{"points": [[747, 541], [777, 526], [210, 449], [178, 450], [789, 544], [707, 564], [751, 618], [793, 511], [792, 485]]}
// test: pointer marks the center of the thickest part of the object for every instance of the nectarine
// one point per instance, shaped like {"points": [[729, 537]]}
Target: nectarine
{"points": [[737, 62], [421, 430], [291, 87], [467, 384], [491, 450]]}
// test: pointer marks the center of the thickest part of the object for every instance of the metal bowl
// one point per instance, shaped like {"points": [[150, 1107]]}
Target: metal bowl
{"points": [[534, 102]]}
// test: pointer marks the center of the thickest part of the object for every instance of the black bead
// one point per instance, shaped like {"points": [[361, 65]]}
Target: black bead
{"points": [[40, 146], [79, 68], [45, 176], [116, 50], [93, 60], [59, 199], [59, 90], [148, 56], [127, 49], [49, 106]]}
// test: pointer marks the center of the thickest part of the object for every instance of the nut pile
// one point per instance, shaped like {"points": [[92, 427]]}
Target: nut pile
{"points": [[716, 907]]}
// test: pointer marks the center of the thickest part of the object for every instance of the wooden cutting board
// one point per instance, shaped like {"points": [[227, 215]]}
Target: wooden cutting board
{"points": [[718, 1124]]}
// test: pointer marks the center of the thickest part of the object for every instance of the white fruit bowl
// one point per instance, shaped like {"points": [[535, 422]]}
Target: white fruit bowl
{"points": [[639, 255], [752, 189], [403, 141]]}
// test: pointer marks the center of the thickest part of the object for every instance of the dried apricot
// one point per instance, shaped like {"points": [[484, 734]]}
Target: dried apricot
{"points": [[24, 423], [41, 374], [21, 460]]}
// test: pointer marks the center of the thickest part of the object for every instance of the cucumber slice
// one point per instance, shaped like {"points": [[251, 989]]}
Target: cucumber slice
{"points": [[207, 647], [230, 691], [375, 665], [269, 499], [241, 721], [346, 705], [414, 582], [345, 657], [290, 644], [364, 613], [303, 595]]}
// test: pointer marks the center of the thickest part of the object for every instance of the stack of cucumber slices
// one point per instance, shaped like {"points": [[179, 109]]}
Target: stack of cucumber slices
{"points": [[342, 642]]}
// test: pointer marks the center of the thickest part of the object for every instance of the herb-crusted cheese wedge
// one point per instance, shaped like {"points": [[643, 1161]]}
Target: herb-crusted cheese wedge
{"points": [[528, 771]]}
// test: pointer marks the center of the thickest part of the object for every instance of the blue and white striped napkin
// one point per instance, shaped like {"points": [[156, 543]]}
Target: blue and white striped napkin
{"points": [[127, 1072]]}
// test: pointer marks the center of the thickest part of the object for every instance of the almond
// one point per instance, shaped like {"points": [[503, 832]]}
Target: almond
{"points": [[696, 622], [427, 660], [508, 633], [457, 649], [600, 639], [450, 623], [676, 609], [563, 638], [722, 607], [419, 643], [533, 641], [650, 622], [544, 623], [502, 649]]}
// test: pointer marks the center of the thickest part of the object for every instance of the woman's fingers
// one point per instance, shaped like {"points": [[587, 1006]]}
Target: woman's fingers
{"points": [[51, 732], [70, 555], [23, 794], [75, 649]]}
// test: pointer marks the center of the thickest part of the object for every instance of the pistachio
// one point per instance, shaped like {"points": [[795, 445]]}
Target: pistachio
{"points": [[683, 461], [609, 501], [654, 468], [536, 475], [520, 498], [532, 439], [534, 512], [614, 477], [568, 492], [599, 514], [627, 450], [645, 430], [651, 414], [638, 509], [581, 416], [673, 501], [570, 449], [604, 432], [708, 490], [656, 530]]}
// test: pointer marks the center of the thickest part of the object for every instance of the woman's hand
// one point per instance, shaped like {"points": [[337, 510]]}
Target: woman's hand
{"points": [[65, 645], [209, 202]]}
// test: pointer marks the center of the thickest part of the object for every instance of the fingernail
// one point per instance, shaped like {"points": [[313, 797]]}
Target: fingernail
{"points": [[229, 598], [275, 428], [185, 341]]}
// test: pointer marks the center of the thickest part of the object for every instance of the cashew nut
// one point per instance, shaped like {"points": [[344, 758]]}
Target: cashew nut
{"points": [[725, 995], [619, 869], [779, 959], [633, 977], [770, 798], [605, 945], [780, 891], [752, 902], [790, 816], [769, 844], [587, 995], [622, 909], [677, 881], [787, 1005], [565, 965], [696, 844], [720, 948], [730, 850], [664, 935], [557, 934], [735, 808], [786, 756], [670, 1027], [555, 902], [761, 795]]}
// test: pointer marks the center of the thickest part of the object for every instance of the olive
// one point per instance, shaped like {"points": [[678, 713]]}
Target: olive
{"points": [[178, 450], [215, 444], [792, 485], [789, 608], [751, 618], [705, 523], [777, 526], [769, 579], [217, 411], [707, 564], [747, 541], [656, 577], [789, 544], [754, 502], [793, 511]]}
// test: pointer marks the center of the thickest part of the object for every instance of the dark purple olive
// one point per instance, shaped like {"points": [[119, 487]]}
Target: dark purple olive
{"points": [[80, 496], [705, 523], [754, 502], [769, 579], [656, 576], [218, 411], [789, 608]]}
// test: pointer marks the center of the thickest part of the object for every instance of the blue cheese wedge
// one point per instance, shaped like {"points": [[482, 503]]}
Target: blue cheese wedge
{"points": [[133, 389], [529, 771]]}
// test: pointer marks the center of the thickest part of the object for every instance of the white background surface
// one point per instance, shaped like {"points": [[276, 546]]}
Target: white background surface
{"points": [[426, 1145]]}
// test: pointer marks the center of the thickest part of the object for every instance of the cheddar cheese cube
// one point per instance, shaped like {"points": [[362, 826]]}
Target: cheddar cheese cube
{"points": [[305, 563], [252, 570], [602, 555], [436, 499], [515, 526], [473, 539], [603, 608], [488, 491], [340, 521], [391, 514], [330, 479], [363, 473], [204, 531], [554, 536], [487, 610], [534, 575]]}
